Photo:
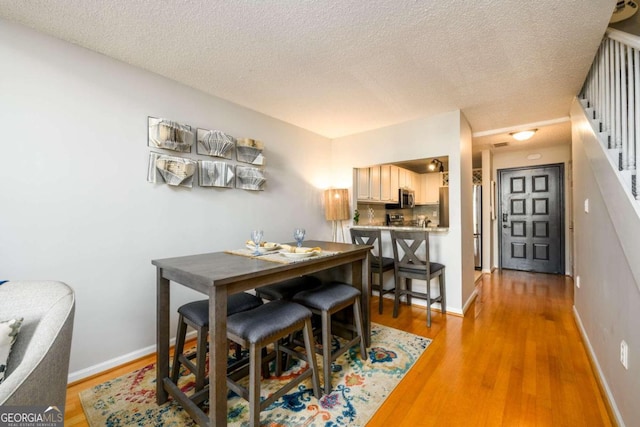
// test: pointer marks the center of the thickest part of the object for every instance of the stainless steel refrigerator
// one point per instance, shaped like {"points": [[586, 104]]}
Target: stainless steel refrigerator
{"points": [[443, 207], [477, 227]]}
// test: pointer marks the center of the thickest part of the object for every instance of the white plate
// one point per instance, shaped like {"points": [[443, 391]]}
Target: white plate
{"points": [[262, 249], [295, 255]]}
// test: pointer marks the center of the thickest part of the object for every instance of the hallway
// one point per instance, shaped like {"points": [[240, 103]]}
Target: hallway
{"points": [[516, 359]]}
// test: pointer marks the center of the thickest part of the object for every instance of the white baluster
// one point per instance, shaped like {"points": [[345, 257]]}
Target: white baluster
{"points": [[623, 107], [605, 87], [612, 92], [631, 107], [618, 117], [601, 90], [636, 73]]}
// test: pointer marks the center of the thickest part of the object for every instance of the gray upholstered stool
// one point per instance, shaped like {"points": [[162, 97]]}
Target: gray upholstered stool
{"points": [[264, 325], [196, 315], [327, 300], [288, 288]]}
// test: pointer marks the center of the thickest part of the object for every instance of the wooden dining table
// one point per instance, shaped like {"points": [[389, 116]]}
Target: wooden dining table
{"points": [[220, 274]]}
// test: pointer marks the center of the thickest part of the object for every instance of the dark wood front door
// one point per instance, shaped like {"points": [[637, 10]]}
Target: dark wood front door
{"points": [[531, 219]]}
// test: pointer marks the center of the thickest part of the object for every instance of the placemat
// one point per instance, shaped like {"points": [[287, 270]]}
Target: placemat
{"points": [[276, 256]]}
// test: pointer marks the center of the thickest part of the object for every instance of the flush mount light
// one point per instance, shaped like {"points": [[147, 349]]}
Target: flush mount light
{"points": [[523, 135]]}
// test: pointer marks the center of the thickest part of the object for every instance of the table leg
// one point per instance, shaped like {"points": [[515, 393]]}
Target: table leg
{"points": [[162, 336], [360, 279], [218, 356]]}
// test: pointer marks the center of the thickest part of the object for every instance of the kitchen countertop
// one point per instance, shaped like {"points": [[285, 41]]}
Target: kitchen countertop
{"points": [[407, 227]]}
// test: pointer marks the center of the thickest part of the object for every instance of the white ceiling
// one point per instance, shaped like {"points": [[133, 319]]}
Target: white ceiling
{"points": [[345, 66]]}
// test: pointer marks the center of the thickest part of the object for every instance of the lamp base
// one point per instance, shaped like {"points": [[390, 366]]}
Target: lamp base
{"points": [[335, 225]]}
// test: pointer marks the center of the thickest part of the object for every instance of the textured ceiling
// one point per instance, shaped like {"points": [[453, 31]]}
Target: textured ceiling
{"points": [[342, 67]]}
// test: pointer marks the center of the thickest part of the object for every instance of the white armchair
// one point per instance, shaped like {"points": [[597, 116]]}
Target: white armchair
{"points": [[39, 361]]}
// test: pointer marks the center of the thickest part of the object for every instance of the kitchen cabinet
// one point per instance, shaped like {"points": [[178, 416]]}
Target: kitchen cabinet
{"points": [[385, 182], [381, 183], [369, 184], [389, 183], [362, 177], [430, 188], [374, 183], [395, 185], [417, 181], [405, 178]]}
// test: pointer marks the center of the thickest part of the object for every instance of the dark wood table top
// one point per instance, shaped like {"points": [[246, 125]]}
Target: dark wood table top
{"points": [[202, 271]]}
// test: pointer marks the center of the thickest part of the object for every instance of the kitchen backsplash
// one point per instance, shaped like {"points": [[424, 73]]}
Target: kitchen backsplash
{"points": [[430, 212]]}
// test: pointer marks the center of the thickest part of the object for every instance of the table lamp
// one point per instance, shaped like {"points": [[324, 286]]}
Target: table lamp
{"points": [[336, 208]]}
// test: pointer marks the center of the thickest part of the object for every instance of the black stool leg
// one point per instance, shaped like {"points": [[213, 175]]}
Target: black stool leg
{"points": [[443, 293], [255, 364], [357, 313], [178, 349], [396, 300], [201, 356], [326, 350], [428, 302], [311, 360]]}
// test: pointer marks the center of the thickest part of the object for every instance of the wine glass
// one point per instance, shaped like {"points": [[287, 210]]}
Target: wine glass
{"points": [[298, 234], [256, 238]]}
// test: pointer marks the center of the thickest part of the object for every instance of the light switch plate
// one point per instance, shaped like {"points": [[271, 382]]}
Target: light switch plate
{"points": [[586, 205]]}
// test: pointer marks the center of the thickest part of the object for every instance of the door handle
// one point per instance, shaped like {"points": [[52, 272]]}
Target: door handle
{"points": [[506, 226]]}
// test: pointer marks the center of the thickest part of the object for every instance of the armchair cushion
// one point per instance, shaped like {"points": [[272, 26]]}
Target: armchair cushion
{"points": [[8, 333]]}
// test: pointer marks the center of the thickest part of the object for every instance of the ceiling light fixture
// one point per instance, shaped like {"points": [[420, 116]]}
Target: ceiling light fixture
{"points": [[523, 135], [435, 163]]}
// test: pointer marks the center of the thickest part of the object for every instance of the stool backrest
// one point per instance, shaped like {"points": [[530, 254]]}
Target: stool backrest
{"points": [[415, 250], [371, 237]]}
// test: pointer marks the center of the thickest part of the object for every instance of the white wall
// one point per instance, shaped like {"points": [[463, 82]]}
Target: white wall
{"points": [[548, 155], [487, 222], [607, 304], [466, 211], [431, 137], [75, 202]]}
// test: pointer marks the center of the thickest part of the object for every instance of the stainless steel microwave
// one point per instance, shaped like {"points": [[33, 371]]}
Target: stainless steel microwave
{"points": [[406, 198]]}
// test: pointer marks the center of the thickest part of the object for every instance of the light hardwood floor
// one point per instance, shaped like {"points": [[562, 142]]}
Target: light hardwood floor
{"points": [[515, 359]]}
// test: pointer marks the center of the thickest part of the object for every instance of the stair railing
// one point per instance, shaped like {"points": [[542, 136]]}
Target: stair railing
{"points": [[611, 96]]}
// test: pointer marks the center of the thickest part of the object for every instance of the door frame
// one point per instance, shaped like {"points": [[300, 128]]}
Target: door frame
{"points": [[561, 194]]}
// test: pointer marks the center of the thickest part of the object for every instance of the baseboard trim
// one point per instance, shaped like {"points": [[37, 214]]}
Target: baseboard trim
{"points": [[107, 365], [602, 382], [470, 300], [436, 306]]}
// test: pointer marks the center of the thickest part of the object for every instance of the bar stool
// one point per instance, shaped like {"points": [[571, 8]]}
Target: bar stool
{"points": [[259, 327], [196, 315], [414, 265], [325, 301], [287, 288], [379, 264]]}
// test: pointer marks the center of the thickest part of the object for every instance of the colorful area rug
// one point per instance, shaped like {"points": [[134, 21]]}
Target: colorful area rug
{"points": [[360, 387]]}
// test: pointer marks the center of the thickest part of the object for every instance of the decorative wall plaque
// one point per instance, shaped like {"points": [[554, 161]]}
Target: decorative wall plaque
{"points": [[215, 143], [215, 174], [250, 151], [249, 178], [176, 171], [169, 135]]}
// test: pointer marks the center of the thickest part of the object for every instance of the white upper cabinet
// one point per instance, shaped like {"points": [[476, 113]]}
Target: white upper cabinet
{"points": [[385, 182], [374, 183], [431, 187], [394, 185], [363, 184], [405, 178], [378, 183], [417, 187]]}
